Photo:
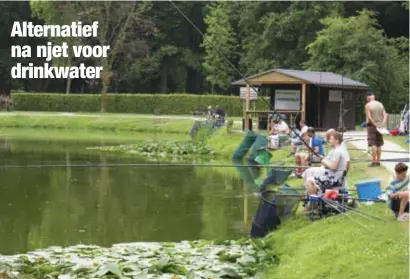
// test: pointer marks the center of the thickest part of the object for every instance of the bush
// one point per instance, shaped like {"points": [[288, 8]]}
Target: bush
{"points": [[171, 104]]}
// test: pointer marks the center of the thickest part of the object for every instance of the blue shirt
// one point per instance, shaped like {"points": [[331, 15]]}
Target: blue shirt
{"points": [[398, 186], [318, 142]]}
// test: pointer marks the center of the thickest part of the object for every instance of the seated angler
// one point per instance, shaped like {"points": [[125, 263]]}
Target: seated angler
{"points": [[279, 130], [317, 146], [320, 171], [302, 156], [295, 141], [335, 164], [220, 116]]}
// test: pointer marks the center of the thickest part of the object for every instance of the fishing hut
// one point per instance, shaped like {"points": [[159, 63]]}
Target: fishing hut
{"points": [[323, 99]]}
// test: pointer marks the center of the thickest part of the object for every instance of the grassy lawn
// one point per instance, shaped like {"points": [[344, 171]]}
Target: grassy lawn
{"points": [[337, 247], [112, 123], [63, 135]]}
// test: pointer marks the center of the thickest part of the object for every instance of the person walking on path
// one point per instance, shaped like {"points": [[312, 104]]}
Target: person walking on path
{"points": [[377, 117]]}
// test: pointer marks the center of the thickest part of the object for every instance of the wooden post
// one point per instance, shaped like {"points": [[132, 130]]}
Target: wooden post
{"points": [[304, 102], [245, 207], [247, 96]]}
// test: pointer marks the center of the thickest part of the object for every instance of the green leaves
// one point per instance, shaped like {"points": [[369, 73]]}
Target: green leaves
{"points": [[356, 47], [198, 260], [165, 149], [219, 38]]}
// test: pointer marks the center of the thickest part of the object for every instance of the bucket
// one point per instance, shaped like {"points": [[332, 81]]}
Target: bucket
{"points": [[368, 189]]}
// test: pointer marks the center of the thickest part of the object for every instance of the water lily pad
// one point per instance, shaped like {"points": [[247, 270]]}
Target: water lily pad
{"points": [[229, 273]]}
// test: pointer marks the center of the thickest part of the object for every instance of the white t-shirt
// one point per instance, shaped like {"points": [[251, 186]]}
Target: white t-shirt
{"points": [[304, 130], [345, 153], [338, 155], [282, 127]]}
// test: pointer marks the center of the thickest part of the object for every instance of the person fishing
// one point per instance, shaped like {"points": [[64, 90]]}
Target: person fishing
{"points": [[295, 141], [377, 118], [317, 146], [302, 155], [320, 171], [220, 115], [278, 129], [335, 165]]}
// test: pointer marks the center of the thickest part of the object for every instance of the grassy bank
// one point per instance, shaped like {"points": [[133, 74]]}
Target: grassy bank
{"points": [[97, 122], [337, 247]]}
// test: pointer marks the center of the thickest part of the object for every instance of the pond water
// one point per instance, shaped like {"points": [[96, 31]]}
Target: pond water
{"points": [[62, 206]]}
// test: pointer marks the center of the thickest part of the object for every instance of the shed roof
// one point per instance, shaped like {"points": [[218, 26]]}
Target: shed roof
{"points": [[327, 79]]}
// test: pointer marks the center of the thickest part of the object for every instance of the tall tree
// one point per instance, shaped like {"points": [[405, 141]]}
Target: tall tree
{"points": [[219, 40], [276, 34], [121, 26], [57, 13], [356, 47], [9, 13], [393, 16], [174, 53]]}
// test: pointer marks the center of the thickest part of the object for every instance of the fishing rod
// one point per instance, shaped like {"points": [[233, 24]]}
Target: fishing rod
{"points": [[384, 151], [9, 166], [243, 76], [344, 213], [144, 165], [354, 210]]}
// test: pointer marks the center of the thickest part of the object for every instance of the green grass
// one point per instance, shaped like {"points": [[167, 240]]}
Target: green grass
{"points": [[337, 247], [64, 135], [113, 123]]}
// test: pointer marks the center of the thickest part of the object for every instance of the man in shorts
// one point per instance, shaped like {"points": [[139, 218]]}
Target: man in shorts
{"points": [[335, 164], [376, 118], [320, 171]]}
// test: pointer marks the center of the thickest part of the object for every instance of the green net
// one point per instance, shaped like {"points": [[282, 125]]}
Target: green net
{"points": [[258, 146], [245, 145], [263, 157]]}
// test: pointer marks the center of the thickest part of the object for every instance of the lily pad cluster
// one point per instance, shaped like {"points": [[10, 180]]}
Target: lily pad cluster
{"points": [[198, 259], [165, 149]]}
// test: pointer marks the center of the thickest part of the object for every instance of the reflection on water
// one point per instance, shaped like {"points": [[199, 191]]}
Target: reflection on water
{"points": [[41, 207]]}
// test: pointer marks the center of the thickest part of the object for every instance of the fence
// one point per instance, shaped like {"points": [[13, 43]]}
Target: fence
{"points": [[393, 121]]}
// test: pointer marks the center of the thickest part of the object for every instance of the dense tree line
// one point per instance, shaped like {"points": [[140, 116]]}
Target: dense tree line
{"points": [[155, 49]]}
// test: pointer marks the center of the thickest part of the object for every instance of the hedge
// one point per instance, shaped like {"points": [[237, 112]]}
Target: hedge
{"points": [[171, 104]]}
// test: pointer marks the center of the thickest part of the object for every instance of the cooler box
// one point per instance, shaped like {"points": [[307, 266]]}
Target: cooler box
{"points": [[368, 189]]}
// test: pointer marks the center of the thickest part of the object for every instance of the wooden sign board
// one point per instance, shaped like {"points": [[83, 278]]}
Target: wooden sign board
{"points": [[287, 100], [252, 96]]}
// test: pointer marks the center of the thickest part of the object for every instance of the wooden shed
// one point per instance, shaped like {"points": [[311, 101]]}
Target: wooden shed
{"points": [[318, 97]]}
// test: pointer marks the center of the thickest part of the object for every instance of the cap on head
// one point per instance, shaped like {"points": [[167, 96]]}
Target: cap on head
{"points": [[311, 130], [369, 95], [275, 117]]}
